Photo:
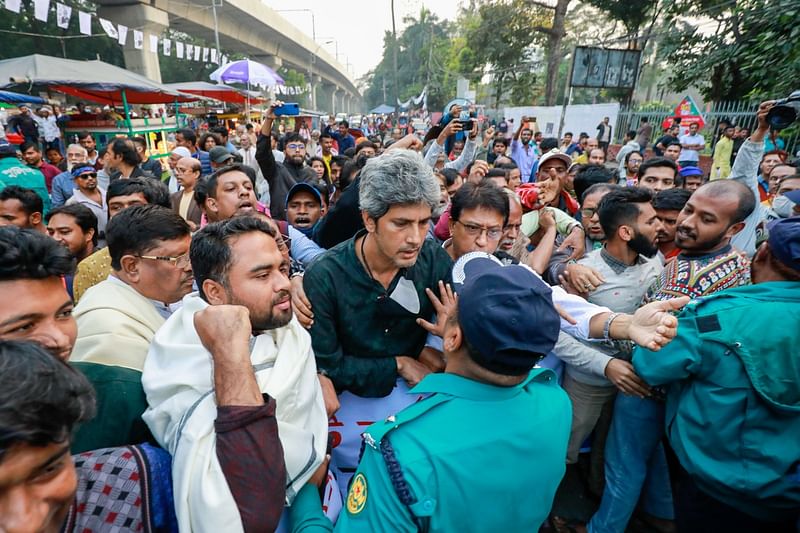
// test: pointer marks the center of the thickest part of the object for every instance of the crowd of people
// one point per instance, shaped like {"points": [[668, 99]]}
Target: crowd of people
{"points": [[368, 331]]}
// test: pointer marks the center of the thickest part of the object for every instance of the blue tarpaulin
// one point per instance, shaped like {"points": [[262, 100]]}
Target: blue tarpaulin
{"points": [[16, 98]]}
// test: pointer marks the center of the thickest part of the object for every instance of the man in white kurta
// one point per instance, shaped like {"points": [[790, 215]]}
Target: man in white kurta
{"points": [[237, 263]]}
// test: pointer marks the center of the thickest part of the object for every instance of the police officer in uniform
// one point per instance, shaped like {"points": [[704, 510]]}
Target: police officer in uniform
{"points": [[485, 450]]}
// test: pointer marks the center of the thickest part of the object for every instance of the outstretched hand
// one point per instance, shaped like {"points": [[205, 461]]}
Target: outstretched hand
{"points": [[444, 305], [653, 325]]}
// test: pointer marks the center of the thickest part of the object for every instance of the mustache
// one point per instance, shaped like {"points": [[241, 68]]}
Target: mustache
{"points": [[281, 296]]}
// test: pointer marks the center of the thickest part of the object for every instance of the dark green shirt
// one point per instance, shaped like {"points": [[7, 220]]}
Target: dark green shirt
{"points": [[358, 330], [120, 404]]}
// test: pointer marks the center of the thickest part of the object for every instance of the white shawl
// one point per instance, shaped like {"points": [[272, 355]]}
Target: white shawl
{"points": [[178, 380]]}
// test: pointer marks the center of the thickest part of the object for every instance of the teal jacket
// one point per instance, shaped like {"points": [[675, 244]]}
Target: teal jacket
{"points": [[733, 409], [14, 172], [476, 457]]}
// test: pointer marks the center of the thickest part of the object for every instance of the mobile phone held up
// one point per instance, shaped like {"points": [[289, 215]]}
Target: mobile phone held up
{"points": [[288, 109], [466, 124]]}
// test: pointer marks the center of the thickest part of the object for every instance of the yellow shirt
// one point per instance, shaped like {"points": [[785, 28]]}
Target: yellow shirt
{"points": [[91, 271]]}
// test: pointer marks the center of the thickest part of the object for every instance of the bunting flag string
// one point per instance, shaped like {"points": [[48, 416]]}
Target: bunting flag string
{"points": [[63, 14], [118, 32]]}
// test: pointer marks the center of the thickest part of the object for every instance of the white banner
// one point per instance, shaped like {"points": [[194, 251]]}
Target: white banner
{"points": [[224, 60], [138, 39], [197, 52], [40, 9], [123, 34], [205, 55], [109, 28], [189, 51], [63, 14], [153, 43], [85, 22], [214, 56], [167, 46], [13, 5], [179, 49]]}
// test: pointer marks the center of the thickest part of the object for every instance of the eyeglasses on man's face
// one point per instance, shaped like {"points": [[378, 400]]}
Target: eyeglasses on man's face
{"points": [[180, 261]]}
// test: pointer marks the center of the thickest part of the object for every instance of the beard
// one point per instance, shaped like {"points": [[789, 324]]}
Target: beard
{"points": [[642, 245], [272, 319]]}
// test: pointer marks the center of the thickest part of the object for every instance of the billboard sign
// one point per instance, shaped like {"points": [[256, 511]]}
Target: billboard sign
{"points": [[605, 68]]}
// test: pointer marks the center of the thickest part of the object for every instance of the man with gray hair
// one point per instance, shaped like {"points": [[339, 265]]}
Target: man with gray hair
{"points": [[64, 184], [367, 339]]}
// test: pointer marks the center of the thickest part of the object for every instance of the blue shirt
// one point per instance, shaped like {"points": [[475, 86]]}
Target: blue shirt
{"points": [[344, 141], [205, 162], [61, 189]]}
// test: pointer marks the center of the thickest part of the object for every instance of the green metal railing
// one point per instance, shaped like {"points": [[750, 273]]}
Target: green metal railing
{"points": [[740, 113]]}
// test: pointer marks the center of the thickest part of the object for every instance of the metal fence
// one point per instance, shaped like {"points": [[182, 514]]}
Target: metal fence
{"points": [[740, 113]]}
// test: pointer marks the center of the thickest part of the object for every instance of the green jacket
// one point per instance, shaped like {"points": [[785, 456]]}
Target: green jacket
{"points": [[476, 457], [733, 409], [120, 403], [14, 172]]}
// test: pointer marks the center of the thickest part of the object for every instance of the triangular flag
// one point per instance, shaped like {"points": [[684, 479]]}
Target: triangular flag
{"points": [[179, 49], [167, 46], [85, 22], [153, 43], [40, 9], [138, 39], [109, 28], [123, 34], [214, 55], [224, 60], [63, 14], [13, 5], [190, 51], [197, 52], [205, 55]]}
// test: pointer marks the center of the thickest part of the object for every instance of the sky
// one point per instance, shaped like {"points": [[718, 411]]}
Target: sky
{"points": [[357, 26]]}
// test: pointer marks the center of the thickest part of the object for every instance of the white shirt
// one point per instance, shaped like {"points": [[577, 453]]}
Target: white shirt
{"points": [[691, 155], [48, 128]]}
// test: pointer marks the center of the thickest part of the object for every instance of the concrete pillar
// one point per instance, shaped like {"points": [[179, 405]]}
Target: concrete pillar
{"points": [[325, 97], [150, 21]]}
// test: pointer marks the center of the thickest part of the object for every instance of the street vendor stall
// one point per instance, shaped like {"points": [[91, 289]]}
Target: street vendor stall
{"points": [[96, 81]]}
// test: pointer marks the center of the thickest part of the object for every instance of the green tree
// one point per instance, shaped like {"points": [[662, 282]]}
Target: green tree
{"points": [[503, 42], [23, 35], [748, 50], [423, 49]]}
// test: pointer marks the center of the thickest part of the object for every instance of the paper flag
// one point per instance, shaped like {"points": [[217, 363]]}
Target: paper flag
{"points": [[179, 49], [214, 56], [205, 55], [63, 14], [13, 5], [109, 28], [224, 60], [197, 52], [85, 22], [40, 9], [123, 34], [138, 39], [167, 46], [190, 51], [153, 43]]}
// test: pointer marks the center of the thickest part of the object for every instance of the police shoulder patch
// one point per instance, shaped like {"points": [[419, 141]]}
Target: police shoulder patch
{"points": [[357, 496]]}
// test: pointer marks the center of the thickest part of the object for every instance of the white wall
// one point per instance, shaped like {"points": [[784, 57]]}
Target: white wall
{"points": [[579, 117]]}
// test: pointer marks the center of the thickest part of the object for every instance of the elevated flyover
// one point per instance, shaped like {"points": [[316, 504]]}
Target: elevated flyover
{"points": [[248, 27]]}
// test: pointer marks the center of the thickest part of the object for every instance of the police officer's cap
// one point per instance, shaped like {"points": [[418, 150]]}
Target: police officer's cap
{"points": [[784, 241], [506, 313]]}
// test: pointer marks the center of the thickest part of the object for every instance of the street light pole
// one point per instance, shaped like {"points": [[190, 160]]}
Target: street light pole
{"points": [[394, 49], [216, 24]]}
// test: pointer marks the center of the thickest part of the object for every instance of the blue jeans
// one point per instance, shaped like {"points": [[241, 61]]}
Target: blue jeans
{"points": [[634, 459]]}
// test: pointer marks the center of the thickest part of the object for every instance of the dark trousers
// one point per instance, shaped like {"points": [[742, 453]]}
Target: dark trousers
{"points": [[697, 512]]}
